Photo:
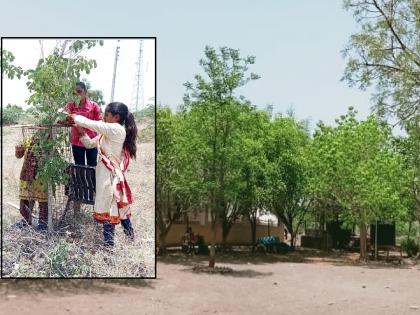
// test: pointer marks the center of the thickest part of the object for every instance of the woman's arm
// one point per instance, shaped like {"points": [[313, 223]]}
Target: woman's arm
{"points": [[88, 142], [110, 130], [85, 139]]}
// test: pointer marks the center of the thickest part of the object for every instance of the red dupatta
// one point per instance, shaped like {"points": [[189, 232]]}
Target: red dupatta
{"points": [[121, 189]]}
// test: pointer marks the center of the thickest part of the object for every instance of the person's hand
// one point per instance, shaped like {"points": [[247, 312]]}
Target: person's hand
{"points": [[80, 130], [63, 122], [71, 117], [68, 121]]}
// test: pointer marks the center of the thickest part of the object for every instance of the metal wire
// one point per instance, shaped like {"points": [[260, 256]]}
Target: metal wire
{"points": [[56, 195]]}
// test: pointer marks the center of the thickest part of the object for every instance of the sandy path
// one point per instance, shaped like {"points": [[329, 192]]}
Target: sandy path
{"points": [[277, 288]]}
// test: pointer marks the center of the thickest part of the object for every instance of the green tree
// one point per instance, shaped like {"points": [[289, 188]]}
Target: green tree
{"points": [[287, 173], [12, 114], [51, 85], [215, 130], [253, 171], [8, 69], [359, 171], [386, 53], [167, 211], [409, 148], [52, 82], [146, 113], [176, 172], [413, 162]]}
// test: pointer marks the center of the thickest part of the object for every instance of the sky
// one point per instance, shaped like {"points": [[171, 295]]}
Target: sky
{"points": [[28, 51], [297, 44]]}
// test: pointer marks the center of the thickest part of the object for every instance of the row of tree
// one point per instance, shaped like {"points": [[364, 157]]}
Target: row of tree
{"points": [[221, 154]]}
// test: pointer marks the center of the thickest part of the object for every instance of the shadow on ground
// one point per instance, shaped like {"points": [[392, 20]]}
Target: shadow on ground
{"points": [[227, 272], [301, 255], [68, 286], [239, 258]]}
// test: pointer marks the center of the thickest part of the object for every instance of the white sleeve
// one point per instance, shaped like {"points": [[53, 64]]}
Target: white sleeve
{"points": [[88, 142], [113, 131]]}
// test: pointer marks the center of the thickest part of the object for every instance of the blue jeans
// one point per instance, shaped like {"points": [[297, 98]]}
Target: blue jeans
{"points": [[79, 154], [109, 231]]}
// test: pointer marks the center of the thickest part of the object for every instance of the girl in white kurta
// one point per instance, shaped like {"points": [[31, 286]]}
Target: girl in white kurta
{"points": [[116, 143]]}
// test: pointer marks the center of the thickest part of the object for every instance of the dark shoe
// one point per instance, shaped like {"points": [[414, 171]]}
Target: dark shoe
{"points": [[42, 227], [108, 232], [20, 225], [128, 229]]}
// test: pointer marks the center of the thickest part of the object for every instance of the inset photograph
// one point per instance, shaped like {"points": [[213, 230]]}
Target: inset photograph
{"points": [[78, 157]]}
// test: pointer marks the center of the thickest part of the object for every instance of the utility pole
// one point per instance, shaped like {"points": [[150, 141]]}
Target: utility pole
{"points": [[117, 50], [41, 43], [138, 92]]}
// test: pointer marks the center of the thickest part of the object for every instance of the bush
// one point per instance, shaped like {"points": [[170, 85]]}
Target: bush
{"points": [[12, 114], [66, 261], [146, 135], [410, 246], [148, 112]]}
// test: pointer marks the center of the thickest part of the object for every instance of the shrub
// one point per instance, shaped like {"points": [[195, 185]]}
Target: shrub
{"points": [[67, 259], [410, 246], [148, 112], [12, 114]]}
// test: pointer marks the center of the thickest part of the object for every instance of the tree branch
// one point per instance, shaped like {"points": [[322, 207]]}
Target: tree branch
{"points": [[367, 64], [388, 22]]}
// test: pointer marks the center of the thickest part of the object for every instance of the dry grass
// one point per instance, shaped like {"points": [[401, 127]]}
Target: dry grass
{"points": [[75, 250]]}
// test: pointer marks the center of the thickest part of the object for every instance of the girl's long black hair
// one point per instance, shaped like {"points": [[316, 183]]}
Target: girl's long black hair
{"points": [[126, 119]]}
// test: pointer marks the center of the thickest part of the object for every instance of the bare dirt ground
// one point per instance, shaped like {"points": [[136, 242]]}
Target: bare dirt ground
{"points": [[298, 283], [25, 251], [304, 282]]}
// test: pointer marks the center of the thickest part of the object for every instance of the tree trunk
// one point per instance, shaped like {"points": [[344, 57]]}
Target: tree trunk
{"points": [[212, 257], [224, 243], [162, 240], [418, 242], [292, 233], [409, 232], [225, 233], [363, 242], [162, 247], [292, 240], [253, 233]]}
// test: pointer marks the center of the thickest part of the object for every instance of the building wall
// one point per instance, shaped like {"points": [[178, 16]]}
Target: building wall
{"points": [[240, 233]]}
